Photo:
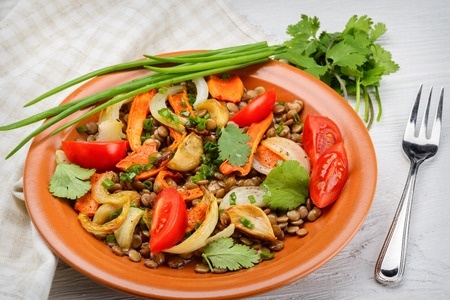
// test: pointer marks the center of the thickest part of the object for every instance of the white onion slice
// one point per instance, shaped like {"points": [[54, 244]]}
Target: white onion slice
{"points": [[243, 195], [202, 90], [198, 238], [288, 150], [158, 103], [258, 166]]}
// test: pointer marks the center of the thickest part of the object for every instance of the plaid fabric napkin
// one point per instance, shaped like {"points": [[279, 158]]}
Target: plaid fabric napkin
{"points": [[45, 43]]}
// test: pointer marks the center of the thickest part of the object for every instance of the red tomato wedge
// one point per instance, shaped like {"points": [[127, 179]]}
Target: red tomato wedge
{"points": [[329, 175], [319, 134], [256, 110], [169, 220], [99, 155]]}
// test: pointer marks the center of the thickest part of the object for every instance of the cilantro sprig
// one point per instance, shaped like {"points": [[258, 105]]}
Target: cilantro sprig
{"points": [[225, 254], [70, 180], [286, 186], [351, 62], [233, 145]]}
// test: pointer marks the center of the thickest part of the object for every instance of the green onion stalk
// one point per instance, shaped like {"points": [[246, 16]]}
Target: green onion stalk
{"points": [[165, 70]]}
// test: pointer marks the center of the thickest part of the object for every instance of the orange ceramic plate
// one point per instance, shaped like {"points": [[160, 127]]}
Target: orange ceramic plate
{"points": [[57, 221]]}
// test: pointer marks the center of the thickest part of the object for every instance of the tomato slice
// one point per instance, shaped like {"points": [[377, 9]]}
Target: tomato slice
{"points": [[329, 175], [99, 155], [256, 110], [169, 221], [319, 134]]}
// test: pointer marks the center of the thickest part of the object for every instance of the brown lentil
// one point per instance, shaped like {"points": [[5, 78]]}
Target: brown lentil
{"points": [[117, 250], [175, 262], [134, 256], [292, 229], [314, 214], [91, 128], [302, 232], [159, 258], [150, 263], [277, 246], [201, 268], [136, 242]]}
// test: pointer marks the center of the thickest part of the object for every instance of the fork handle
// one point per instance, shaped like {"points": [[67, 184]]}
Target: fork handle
{"points": [[391, 261]]}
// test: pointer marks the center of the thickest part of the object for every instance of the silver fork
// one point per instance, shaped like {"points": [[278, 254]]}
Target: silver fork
{"points": [[418, 147]]}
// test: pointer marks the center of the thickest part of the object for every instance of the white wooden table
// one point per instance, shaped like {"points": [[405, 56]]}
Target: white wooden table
{"points": [[419, 38]]}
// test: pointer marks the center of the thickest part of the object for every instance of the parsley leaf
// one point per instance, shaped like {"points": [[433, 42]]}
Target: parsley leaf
{"points": [[286, 186], [233, 145], [70, 181], [351, 62], [225, 254]]}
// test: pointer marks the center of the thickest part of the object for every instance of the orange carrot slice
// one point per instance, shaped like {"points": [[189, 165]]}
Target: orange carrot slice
{"points": [[138, 113], [226, 89]]}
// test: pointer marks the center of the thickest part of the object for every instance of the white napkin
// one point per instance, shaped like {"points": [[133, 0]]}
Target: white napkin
{"points": [[45, 43]]}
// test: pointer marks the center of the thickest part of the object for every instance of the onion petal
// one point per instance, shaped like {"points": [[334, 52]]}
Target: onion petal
{"points": [[108, 227], [198, 238], [286, 149], [124, 234], [260, 228], [202, 90], [101, 194], [227, 232], [158, 104], [243, 195]]}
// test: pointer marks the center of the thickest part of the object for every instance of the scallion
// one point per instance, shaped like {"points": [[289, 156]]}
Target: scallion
{"points": [[182, 67]]}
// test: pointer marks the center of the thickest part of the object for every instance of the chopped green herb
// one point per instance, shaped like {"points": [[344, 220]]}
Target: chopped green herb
{"points": [[233, 198], [247, 223], [107, 183], [162, 90], [167, 114], [147, 124], [224, 253], [210, 162], [252, 199], [279, 128], [197, 122], [148, 184], [110, 238], [266, 255], [81, 129], [128, 174]]}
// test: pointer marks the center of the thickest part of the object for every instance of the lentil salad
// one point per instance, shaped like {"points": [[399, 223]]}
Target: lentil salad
{"points": [[284, 124]]}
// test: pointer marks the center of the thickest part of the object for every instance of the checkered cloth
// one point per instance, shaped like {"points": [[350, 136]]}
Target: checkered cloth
{"points": [[45, 43]]}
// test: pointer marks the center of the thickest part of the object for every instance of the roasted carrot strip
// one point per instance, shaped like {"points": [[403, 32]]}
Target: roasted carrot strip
{"points": [[180, 103], [267, 157], [196, 215], [163, 174], [256, 132], [191, 194], [177, 139], [186, 194], [138, 113], [226, 89], [139, 156], [87, 204]]}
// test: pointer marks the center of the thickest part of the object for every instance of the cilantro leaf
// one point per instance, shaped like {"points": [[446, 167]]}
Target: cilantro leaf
{"points": [[225, 254], [286, 186], [70, 181], [233, 145]]}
